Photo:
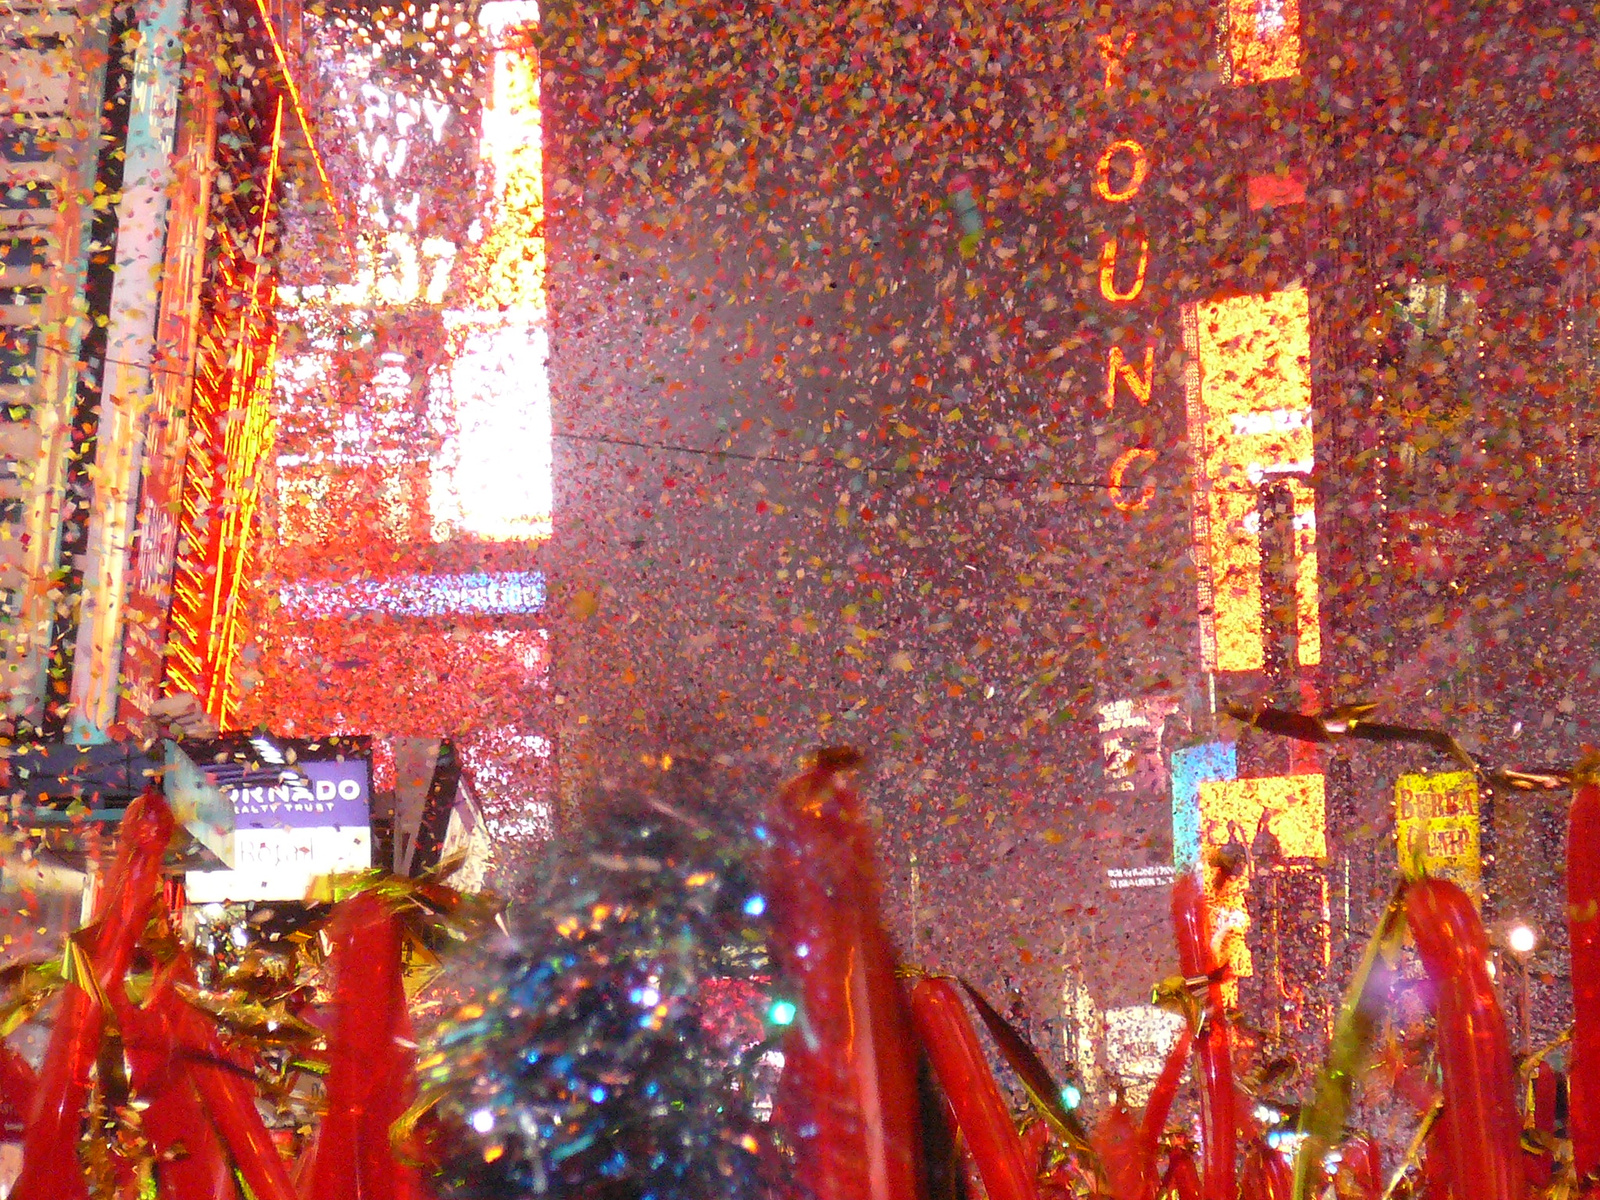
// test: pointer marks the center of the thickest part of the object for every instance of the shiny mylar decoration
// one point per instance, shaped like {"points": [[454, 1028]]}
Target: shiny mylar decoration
{"points": [[586, 1067]]}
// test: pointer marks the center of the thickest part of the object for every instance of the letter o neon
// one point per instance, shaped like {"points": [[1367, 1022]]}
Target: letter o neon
{"points": [[1119, 469], [1102, 171]]}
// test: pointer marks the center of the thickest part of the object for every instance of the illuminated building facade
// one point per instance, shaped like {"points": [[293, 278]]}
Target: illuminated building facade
{"points": [[144, 149], [401, 592]]}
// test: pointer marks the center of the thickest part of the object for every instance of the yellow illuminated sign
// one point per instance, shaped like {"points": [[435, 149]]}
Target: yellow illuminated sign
{"points": [[1139, 382], [1249, 395], [1138, 165], [1140, 500], [1436, 827], [1112, 53], [1263, 40], [1269, 819]]}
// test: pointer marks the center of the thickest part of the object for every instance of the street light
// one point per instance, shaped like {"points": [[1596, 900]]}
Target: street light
{"points": [[1523, 940]]}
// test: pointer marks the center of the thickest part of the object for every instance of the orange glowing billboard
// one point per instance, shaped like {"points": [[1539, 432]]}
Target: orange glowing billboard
{"points": [[1249, 400], [1263, 40], [1267, 820]]}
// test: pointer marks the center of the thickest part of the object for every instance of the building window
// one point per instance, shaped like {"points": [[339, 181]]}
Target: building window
{"points": [[20, 297], [19, 346], [21, 143], [28, 195], [23, 252]]}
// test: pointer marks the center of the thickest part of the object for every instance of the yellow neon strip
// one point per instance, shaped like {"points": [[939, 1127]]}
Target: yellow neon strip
{"points": [[305, 125]]}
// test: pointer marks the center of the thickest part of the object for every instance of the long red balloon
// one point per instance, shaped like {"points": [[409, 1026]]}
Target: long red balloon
{"points": [[1361, 1165], [1482, 1131], [1182, 1180], [1116, 1142], [190, 1163], [847, 1097], [17, 1082], [50, 1166], [1266, 1175], [1159, 1105], [952, 1046], [1036, 1147], [1583, 932], [229, 1096], [1218, 1103], [367, 1067]]}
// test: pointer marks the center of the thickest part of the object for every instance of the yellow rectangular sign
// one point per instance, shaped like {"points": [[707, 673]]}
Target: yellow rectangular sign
{"points": [[1436, 827]]}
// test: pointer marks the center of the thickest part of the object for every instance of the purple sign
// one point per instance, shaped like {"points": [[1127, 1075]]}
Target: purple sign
{"points": [[306, 795]]}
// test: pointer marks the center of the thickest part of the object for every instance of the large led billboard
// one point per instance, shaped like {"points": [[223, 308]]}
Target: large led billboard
{"points": [[1250, 429], [402, 595]]}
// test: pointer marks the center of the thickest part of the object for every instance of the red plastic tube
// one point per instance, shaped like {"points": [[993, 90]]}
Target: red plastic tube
{"points": [[1182, 1179], [368, 1068], [1583, 931], [940, 1017], [1361, 1165], [1218, 1103], [1482, 1131], [1159, 1105], [227, 1090], [190, 1162], [1116, 1142], [50, 1166], [1252, 1179], [847, 1098], [1266, 1174], [1036, 1147], [17, 1082]]}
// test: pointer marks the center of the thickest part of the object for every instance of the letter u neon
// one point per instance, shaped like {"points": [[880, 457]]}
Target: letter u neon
{"points": [[1108, 272]]}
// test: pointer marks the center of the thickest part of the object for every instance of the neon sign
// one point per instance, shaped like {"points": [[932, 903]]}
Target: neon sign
{"points": [[1249, 401]]}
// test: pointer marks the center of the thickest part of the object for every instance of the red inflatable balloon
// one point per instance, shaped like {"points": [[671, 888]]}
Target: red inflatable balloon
{"points": [[1481, 1128], [1159, 1105], [227, 1089], [190, 1162], [952, 1046], [17, 1084], [847, 1098], [1036, 1147], [50, 1166], [1361, 1166], [1583, 931], [368, 1068], [1266, 1174], [1182, 1179], [1218, 1103], [1116, 1141]]}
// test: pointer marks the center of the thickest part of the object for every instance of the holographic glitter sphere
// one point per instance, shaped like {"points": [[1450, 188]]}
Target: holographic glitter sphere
{"points": [[598, 1059]]}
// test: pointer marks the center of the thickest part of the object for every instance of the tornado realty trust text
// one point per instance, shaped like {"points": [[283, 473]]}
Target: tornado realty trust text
{"points": [[291, 824]]}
